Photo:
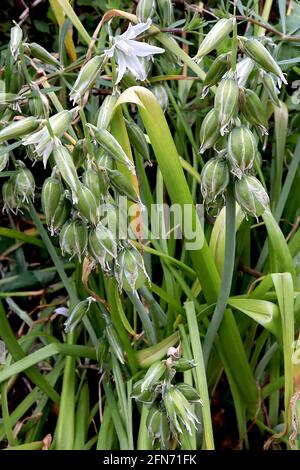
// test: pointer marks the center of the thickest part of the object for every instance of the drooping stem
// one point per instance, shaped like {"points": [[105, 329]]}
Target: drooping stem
{"points": [[227, 274]]}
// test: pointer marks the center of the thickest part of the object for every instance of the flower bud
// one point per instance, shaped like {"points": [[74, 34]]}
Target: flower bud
{"points": [[216, 36], [226, 102], [166, 13], [86, 78], [189, 392], [138, 139], [66, 167], [114, 342], [130, 270], [102, 245], [18, 128], [147, 396], [96, 182], [242, 149], [40, 53], [52, 192], [11, 200], [112, 146], [257, 51], [183, 365], [153, 375], [60, 215], [251, 196], [145, 9], [79, 153], [73, 238], [271, 88], [253, 110], [16, 35], [160, 93], [243, 69], [158, 425], [106, 111], [214, 180], [24, 183], [209, 131], [87, 204], [180, 411], [215, 72], [104, 160], [77, 314], [4, 158]]}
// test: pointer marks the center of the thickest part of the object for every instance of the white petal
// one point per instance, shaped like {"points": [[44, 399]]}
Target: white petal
{"points": [[110, 52], [121, 60], [134, 31], [143, 49], [136, 67]]}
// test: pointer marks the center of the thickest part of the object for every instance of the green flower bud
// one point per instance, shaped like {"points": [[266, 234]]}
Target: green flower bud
{"points": [[16, 35], [242, 149], [40, 53], [271, 89], [18, 128], [158, 425], [214, 180], [255, 49], [121, 184], [189, 392], [251, 196], [166, 13], [215, 72], [183, 365], [180, 411], [24, 183], [73, 238], [77, 314], [160, 93], [153, 375], [52, 192], [216, 36], [138, 139], [4, 158], [253, 110], [87, 204], [96, 181], [104, 160], [79, 153], [147, 396], [60, 215], [36, 107], [226, 102], [11, 200], [130, 270], [103, 246], [112, 146], [114, 342], [209, 131], [86, 78], [106, 111], [66, 167], [145, 9]]}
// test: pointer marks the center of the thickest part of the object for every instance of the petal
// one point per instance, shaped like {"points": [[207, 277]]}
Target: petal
{"points": [[142, 49], [134, 31], [110, 52], [121, 60], [136, 67]]}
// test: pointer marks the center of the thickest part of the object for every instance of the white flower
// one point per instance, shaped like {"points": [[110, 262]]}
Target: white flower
{"points": [[127, 51]]}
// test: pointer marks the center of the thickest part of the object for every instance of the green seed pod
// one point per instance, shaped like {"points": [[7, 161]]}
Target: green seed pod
{"points": [[112, 146], [77, 314], [106, 111], [153, 375], [166, 13], [61, 214], [215, 72], [253, 110], [36, 107], [209, 131], [24, 183], [66, 167], [214, 180], [86, 78], [271, 89], [96, 182], [189, 392], [73, 238], [180, 411], [121, 184], [16, 35], [158, 425], [216, 36], [145, 9], [40, 53], [19, 128], [130, 270], [11, 200], [114, 342], [4, 159], [147, 396], [226, 102], [79, 153], [87, 204], [183, 365], [103, 246], [52, 192], [160, 93], [257, 52], [138, 139], [104, 160], [251, 196], [242, 149]]}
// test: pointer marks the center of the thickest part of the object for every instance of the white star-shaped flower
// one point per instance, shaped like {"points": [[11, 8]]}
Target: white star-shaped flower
{"points": [[127, 52]]}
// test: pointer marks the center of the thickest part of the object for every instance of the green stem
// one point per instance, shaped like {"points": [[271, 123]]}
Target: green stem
{"points": [[234, 41], [226, 275], [265, 16], [6, 416]]}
